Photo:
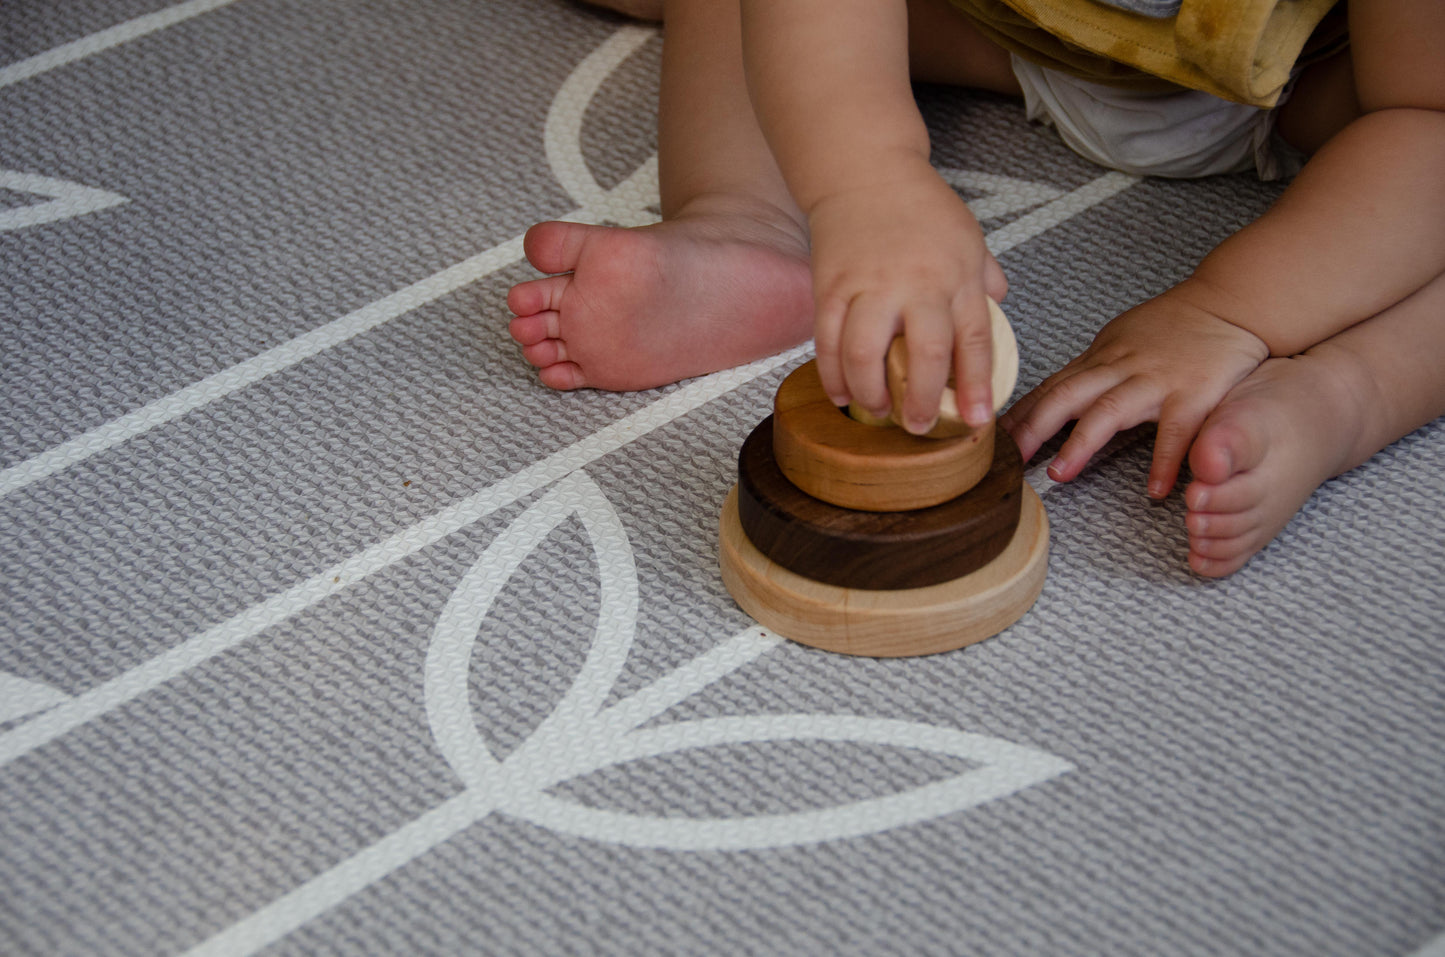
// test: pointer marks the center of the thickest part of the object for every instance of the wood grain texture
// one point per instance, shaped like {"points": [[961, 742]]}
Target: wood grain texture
{"points": [[888, 624], [846, 463], [876, 550]]}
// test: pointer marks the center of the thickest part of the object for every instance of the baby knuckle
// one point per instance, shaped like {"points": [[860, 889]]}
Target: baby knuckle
{"points": [[933, 351], [1065, 388], [975, 336], [1111, 405], [1175, 432]]}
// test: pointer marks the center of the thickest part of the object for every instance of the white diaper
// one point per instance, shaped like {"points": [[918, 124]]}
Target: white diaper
{"points": [[1184, 134]]}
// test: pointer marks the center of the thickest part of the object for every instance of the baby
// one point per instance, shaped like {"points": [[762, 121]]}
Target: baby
{"points": [[798, 200]]}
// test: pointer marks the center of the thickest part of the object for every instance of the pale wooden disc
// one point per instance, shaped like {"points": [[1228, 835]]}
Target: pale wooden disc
{"points": [[888, 624], [950, 421]]}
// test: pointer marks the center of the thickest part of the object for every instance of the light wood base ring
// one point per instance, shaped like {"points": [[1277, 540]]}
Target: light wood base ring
{"points": [[888, 624]]}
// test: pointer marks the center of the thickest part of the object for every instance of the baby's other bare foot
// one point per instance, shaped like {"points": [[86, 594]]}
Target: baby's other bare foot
{"points": [[1260, 455], [640, 308]]}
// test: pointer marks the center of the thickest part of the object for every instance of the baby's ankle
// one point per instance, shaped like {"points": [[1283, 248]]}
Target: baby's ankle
{"points": [[742, 208], [1358, 404]]}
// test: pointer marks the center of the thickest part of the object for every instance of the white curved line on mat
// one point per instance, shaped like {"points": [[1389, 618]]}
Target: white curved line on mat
{"points": [[448, 661], [490, 784], [562, 136], [105, 39], [67, 200], [639, 189], [1005, 769], [579, 737], [304, 594], [438, 825]]}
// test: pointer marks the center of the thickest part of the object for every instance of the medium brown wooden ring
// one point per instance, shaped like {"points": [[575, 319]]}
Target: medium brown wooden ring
{"points": [[846, 463], [876, 550]]}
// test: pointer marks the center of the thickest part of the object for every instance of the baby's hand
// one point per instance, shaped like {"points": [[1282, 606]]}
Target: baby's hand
{"points": [[904, 257], [1169, 361]]}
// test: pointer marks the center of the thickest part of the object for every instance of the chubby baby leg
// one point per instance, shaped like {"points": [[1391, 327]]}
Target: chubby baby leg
{"points": [[722, 280]]}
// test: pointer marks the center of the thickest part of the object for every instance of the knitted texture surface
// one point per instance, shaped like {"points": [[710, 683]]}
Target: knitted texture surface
{"points": [[325, 628]]}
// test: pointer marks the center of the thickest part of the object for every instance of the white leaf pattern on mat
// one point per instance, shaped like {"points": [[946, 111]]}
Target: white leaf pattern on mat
{"points": [[1001, 195], [627, 203], [20, 697], [67, 200], [580, 737]]}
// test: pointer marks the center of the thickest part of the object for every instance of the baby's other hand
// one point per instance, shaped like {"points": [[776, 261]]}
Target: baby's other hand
{"points": [[1169, 360], [904, 257]]}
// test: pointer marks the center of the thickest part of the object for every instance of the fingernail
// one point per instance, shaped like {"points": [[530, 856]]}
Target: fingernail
{"points": [[979, 414], [1056, 469]]}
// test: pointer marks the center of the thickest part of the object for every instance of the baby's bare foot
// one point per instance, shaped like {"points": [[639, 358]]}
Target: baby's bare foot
{"points": [[640, 308], [1263, 451]]}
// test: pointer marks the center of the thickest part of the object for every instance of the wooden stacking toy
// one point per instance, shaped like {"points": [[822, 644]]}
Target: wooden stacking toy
{"points": [[847, 533]]}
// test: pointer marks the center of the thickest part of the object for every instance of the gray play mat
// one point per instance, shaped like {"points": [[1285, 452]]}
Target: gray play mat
{"points": [[325, 629]]}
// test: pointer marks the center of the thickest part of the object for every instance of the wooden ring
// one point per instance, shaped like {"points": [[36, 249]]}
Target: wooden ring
{"points": [[876, 550], [888, 624], [846, 463]]}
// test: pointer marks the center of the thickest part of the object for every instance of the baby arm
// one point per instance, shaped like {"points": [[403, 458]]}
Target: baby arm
{"points": [[1361, 228], [894, 249]]}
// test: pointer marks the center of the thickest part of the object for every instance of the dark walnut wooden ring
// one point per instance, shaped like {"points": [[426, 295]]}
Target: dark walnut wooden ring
{"points": [[876, 550], [879, 469]]}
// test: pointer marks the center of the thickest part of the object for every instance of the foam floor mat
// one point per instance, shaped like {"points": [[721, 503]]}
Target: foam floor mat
{"points": [[325, 628]]}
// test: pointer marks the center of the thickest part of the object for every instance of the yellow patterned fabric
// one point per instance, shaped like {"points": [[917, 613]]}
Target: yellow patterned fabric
{"points": [[1241, 50]]}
